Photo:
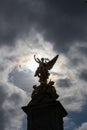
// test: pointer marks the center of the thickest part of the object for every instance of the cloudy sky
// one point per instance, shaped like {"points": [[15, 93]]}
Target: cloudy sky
{"points": [[45, 28]]}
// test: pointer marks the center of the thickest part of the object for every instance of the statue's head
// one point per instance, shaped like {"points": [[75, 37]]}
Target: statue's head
{"points": [[42, 59]]}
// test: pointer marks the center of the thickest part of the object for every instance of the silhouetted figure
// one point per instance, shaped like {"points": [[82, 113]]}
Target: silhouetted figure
{"points": [[44, 112], [41, 71], [44, 66]]}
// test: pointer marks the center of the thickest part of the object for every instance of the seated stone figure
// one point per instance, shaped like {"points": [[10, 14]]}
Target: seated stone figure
{"points": [[47, 88]]}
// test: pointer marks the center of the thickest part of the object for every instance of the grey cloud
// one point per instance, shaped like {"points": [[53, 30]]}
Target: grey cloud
{"points": [[2, 119], [64, 83], [65, 22], [10, 108], [17, 17], [74, 103], [77, 56], [75, 61], [83, 50], [10, 58], [83, 126], [61, 22], [69, 123], [16, 98], [3, 95], [1, 68], [83, 75], [70, 99], [22, 79]]}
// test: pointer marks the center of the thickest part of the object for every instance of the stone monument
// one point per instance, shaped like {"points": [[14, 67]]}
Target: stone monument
{"points": [[44, 111]]}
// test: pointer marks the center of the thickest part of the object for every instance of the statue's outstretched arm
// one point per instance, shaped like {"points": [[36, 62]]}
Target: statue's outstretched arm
{"points": [[37, 60]]}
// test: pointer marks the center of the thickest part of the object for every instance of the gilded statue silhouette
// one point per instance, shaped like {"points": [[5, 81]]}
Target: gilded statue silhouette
{"points": [[44, 66], [44, 111]]}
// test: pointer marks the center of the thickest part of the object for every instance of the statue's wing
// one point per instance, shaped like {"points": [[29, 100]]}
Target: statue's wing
{"points": [[50, 64]]}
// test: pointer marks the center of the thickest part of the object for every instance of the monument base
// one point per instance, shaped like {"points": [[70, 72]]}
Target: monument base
{"points": [[47, 116], [44, 112]]}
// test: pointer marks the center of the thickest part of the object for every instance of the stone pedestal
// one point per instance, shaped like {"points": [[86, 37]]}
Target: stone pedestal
{"points": [[44, 112]]}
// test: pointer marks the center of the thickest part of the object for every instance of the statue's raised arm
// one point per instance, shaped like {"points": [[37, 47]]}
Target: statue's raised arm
{"points": [[37, 59]]}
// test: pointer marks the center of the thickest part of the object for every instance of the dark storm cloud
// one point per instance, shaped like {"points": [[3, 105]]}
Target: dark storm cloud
{"points": [[17, 17], [64, 83], [83, 50], [62, 22], [66, 22], [83, 75]]}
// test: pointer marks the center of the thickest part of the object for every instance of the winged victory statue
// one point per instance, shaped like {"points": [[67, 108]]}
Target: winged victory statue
{"points": [[44, 66]]}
